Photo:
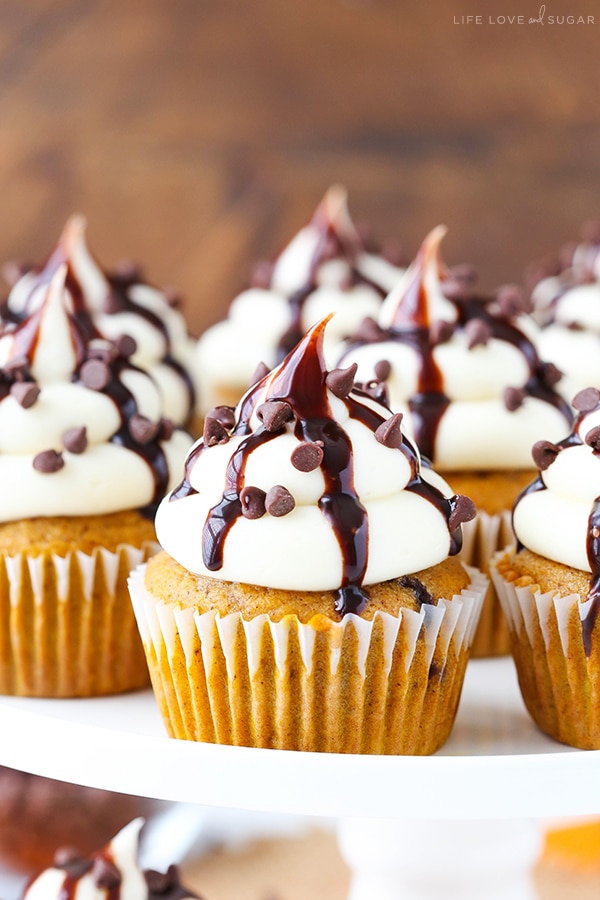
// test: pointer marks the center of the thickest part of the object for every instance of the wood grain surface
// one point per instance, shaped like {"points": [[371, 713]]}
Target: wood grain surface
{"points": [[198, 135]]}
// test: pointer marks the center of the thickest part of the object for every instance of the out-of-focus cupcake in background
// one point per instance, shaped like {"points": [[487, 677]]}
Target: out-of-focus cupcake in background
{"points": [[327, 267], [549, 584], [309, 596], [464, 372], [565, 296], [112, 305], [86, 453]]}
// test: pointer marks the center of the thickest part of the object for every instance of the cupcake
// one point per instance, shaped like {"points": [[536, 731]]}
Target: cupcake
{"points": [[85, 455], [566, 302], [112, 872], [113, 305], [308, 595], [464, 372], [325, 268], [549, 585]]}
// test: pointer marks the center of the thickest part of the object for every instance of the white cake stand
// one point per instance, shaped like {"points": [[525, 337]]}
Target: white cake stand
{"points": [[462, 823]]}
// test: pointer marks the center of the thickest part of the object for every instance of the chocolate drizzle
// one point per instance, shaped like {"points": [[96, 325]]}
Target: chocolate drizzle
{"points": [[301, 382]]}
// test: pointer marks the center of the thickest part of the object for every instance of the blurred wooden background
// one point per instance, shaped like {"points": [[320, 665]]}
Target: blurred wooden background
{"points": [[198, 135]]}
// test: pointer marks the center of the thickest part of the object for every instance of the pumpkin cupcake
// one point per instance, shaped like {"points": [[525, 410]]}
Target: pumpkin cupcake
{"points": [[308, 595], [464, 372], [549, 585], [85, 455]]}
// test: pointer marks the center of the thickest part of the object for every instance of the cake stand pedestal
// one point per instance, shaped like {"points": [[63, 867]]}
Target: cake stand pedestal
{"points": [[462, 823]]}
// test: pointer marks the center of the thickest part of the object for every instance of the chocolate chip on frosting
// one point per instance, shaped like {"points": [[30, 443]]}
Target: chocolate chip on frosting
{"points": [[167, 427], [274, 414], [95, 374], [586, 400], [75, 439], [253, 502], [544, 453], [223, 414], [279, 501], [478, 333], [48, 461], [25, 393], [550, 373], [162, 882], [214, 432], [383, 367], [513, 398], [369, 332], [142, 430], [511, 300], [261, 370], [307, 456], [592, 438], [341, 381], [126, 345], [105, 874], [389, 432], [440, 331], [462, 510]]}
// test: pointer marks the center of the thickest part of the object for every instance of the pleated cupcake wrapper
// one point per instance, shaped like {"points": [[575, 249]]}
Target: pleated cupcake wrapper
{"points": [[66, 624], [390, 685], [559, 683], [483, 537]]}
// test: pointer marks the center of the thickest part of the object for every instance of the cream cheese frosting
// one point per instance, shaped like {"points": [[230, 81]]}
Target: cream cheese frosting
{"points": [[110, 305], [82, 429], [463, 370], [325, 268], [112, 873], [309, 485]]}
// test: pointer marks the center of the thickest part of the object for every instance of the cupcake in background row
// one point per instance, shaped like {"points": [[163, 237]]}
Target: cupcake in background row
{"points": [[309, 596], [112, 872], [566, 302], [464, 372], [86, 453], [549, 585], [113, 305], [325, 268]]}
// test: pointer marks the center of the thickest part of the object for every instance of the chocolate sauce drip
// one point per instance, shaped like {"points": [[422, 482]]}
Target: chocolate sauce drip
{"points": [[593, 555], [422, 595], [300, 382]]}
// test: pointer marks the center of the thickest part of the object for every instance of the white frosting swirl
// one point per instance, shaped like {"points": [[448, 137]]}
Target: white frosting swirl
{"points": [[468, 371], [115, 471], [327, 264], [398, 512], [553, 520], [163, 346]]}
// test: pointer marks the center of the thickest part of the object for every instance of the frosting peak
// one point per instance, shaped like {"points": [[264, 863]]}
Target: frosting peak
{"points": [[309, 485]]}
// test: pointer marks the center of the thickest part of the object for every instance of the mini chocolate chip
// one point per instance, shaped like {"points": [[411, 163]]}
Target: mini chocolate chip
{"points": [[105, 874], [279, 501], [586, 400], [307, 456], [162, 882], [142, 430], [592, 438], [511, 300], [126, 345], [25, 393], [383, 367], [274, 414], [223, 414], [550, 374], [513, 398], [441, 331], [462, 510], [66, 856], [261, 370], [389, 432], [95, 374], [369, 332], [213, 432], [167, 427], [544, 453], [75, 439], [478, 333], [253, 502], [261, 274], [341, 381], [114, 302], [48, 461], [104, 351]]}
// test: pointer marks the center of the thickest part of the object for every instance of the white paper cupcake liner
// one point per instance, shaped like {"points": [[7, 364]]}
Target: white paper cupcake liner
{"points": [[66, 624], [390, 685], [560, 684]]}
